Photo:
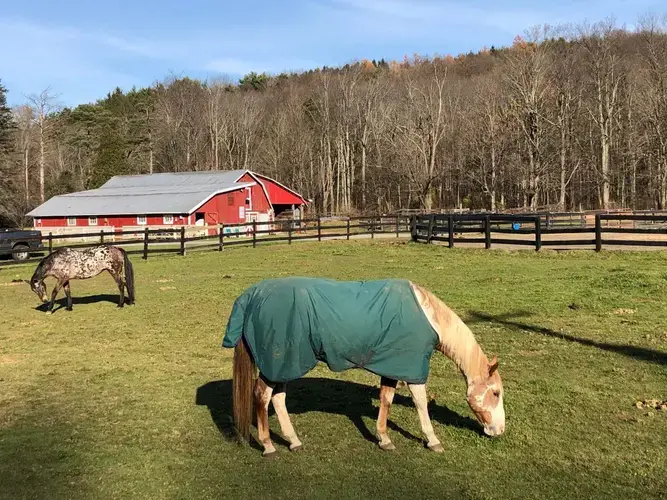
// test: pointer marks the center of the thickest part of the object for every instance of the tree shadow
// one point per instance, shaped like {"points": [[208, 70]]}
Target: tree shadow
{"points": [[90, 299], [326, 395], [639, 353]]}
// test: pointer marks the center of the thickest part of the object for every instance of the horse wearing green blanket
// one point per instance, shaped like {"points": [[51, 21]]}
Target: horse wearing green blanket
{"points": [[284, 327]]}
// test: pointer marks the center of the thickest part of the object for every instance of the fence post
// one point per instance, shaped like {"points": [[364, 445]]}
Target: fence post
{"points": [[372, 227], [413, 227], [289, 232], [429, 234], [145, 256], [254, 233], [450, 230], [101, 236], [319, 229], [538, 233], [221, 236], [487, 231], [347, 233], [50, 242], [182, 240], [598, 233], [398, 222]]}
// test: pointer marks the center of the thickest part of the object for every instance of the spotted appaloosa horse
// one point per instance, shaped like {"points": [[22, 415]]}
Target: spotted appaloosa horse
{"points": [[454, 339], [67, 264]]}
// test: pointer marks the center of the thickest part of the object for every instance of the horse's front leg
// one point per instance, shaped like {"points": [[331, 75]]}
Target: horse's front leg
{"points": [[278, 400], [262, 392], [68, 293], [121, 287], [418, 392], [54, 294], [387, 391]]}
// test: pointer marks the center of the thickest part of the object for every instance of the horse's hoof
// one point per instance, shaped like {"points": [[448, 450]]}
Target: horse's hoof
{"points": [[438, 448], [270, 454], [68, 309], [387, 446], [296, 448]]}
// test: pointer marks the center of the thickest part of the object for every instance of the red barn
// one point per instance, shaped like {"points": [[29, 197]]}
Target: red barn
{"points": [[171, 199]]}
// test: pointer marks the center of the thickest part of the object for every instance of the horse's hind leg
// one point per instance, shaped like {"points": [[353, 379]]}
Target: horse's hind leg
{"points": [[387, 391], [418, 392], [262, 392], [278, 400], [68, 293]]}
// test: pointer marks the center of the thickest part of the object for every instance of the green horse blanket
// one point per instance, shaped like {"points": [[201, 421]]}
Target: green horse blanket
{"points": [[290, 324]]}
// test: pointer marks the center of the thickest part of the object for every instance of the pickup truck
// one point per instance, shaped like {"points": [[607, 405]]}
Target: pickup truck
{"points": [[20, 243]]}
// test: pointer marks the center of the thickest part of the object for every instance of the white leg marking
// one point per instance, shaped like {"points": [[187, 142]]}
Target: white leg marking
{"points": [[286, 426], [418, 392]]}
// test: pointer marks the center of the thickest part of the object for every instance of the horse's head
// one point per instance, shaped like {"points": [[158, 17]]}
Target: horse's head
{"points": [[485, 397], [38, 286]]}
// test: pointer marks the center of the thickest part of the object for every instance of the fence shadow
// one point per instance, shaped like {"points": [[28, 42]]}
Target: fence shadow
{"points": [[639, 353], [320, 394]]}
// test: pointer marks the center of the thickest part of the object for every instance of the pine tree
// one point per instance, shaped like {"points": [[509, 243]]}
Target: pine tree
{"points": [[6, 121]]}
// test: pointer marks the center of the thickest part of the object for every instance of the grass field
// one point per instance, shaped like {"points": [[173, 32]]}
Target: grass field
{"points": [[136, 403]]}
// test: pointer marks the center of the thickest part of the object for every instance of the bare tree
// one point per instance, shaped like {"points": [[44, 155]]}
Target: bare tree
{"points": [[43, 105], [603, 61]]}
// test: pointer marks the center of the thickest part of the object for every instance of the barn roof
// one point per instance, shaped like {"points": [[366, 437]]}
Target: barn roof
{"points": [[147, 194], [173, 193]]}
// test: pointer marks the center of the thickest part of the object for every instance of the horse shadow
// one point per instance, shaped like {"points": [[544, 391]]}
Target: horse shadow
{"points": [[339, 397], [90, 299]]}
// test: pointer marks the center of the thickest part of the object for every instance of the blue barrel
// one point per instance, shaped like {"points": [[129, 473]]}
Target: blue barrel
{"points": [[516, 226]]}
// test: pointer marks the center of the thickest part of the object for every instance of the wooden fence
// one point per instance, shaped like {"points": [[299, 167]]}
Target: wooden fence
{"points": [[184, 239], [487, 229], [540, 230]]}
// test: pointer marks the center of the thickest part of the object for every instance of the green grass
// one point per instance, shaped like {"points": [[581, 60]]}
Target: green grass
{"points": [[135, 403]]}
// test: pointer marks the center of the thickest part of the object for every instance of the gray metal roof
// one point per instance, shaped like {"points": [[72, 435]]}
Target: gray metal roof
{"points": [[164, 193], [223, 178]]}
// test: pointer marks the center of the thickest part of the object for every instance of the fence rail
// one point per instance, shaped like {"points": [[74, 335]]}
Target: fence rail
{"points": [[529, 230], [184, 239], [487, 229]]}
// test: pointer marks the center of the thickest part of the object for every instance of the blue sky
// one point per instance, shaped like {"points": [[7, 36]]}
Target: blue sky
{"points": [[83, 49]]}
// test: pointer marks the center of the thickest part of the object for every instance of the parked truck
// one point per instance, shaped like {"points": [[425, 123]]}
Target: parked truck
{"points": [[20, 243]]}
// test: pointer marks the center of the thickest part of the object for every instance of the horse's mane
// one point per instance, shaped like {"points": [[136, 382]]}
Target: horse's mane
{"points": [[42, 267], [457, 341]]}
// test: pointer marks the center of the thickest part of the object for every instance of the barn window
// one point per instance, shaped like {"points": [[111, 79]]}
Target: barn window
{"points": [[71, 221], [230, 200], [141, 219], [92, 221], [168, 219]]}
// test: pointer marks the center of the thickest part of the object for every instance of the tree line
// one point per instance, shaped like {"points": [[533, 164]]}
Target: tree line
{"points": [[567, 117]]}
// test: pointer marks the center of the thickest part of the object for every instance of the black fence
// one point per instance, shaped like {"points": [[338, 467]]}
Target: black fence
{"points": [[530, 230], [184, 239]]}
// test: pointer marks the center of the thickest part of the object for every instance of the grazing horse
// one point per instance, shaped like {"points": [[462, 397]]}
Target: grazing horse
{"points": [[284, 326], [66, 264]]}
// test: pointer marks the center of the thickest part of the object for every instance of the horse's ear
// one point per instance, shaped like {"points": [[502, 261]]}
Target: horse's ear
{"points": [[493, 365]]}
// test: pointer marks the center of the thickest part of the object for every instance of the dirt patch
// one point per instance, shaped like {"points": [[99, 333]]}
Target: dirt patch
{"points": [[625, 311], [163, 288], [654, 404], [6, 359], [163, 281]]}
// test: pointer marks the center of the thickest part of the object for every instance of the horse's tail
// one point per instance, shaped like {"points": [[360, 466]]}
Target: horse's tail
{"points": [[242, 388], [129, 275]]}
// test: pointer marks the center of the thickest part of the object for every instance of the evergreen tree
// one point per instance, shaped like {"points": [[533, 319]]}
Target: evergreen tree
{"points": [[6, 121]]}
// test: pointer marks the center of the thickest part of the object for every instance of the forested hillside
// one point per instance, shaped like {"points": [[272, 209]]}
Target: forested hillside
{"points": [[571, 117]]}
